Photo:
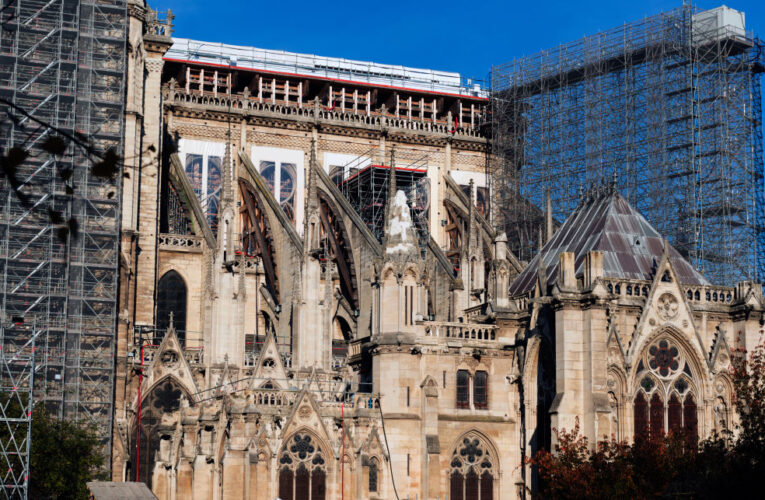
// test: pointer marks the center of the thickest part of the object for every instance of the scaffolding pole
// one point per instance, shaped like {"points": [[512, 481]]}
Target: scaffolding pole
{"points": [[668, 108], [62, 68]]}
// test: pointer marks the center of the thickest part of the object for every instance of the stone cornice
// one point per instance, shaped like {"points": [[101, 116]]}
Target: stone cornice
{"points": [[334, 122]]}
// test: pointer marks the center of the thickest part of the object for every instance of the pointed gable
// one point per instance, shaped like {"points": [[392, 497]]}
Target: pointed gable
{"points": [[606, 222], [169, 362], [666, 309], [305, 415], [270, 366]]}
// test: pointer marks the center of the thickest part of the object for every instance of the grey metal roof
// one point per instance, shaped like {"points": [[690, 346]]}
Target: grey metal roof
{"points": [[107, 490], [606, 222]]}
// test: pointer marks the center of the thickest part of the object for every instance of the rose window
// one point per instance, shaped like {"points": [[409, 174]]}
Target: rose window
{"points": [[663, 358]]}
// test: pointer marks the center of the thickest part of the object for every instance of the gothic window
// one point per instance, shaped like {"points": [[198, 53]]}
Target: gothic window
{"points": [[656, 414], [373, 475], [641, 416], [302, 474], [212, 196], [164, 398], [674, 414], [463, 389], [281, 179], [205, 173], [480, 390], [665, 400], [472, 470], [171, 298], [690, 418]]}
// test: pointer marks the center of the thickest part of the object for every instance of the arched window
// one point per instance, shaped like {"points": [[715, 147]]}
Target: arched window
{"points": [[302, 474], [664, 374], [691, 418], [164, 398], [674, 414], [463, 389], [641, 416], [372, 479], [656, 416], [472, 470], [171, 298], [481, 390]]}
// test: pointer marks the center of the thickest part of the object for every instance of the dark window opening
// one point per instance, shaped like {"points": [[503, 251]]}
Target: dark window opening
{"points": [[463, 389], [641, 416], [373, 476], [656, 417], [171, 298], [481, 390]]}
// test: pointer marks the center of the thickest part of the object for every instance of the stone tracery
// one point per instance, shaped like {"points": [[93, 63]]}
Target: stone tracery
{"points": [[665, 396], [472, 469], [302, 469]]}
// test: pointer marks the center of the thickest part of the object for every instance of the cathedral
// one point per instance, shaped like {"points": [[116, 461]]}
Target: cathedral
{"points": [[317, 302]]}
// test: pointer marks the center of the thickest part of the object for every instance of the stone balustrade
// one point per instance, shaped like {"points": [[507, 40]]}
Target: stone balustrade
{"points": [[242, 103], [193, 355], [273, 397], [181, 242], [465, 331], [696, 294]]}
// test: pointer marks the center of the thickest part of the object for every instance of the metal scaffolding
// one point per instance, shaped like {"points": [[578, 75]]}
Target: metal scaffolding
{"points": [[668, 108], [62, 69], [364, 183], [17, 375]]}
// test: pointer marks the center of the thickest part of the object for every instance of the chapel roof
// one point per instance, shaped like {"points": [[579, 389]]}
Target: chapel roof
{"points": [[606, 222]]}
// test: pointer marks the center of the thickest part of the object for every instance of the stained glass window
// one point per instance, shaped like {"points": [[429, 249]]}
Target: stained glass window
{"points": [[285, 176], [463, 389], [656, 416], [674, 414], [302, 469], [663, 358], [194, 171], [205, 177], [456, 486], [690, 418], [214, 170], [472, 470], [171, 298], [641, 416]]}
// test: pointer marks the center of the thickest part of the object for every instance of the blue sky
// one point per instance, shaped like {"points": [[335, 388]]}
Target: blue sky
{"points": [[454, 36]]}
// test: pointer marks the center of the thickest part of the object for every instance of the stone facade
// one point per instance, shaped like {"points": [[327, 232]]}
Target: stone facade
{"points": [[271, 349]]}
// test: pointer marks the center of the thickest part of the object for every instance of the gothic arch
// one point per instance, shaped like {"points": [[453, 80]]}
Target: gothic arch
{"points": [[474, 468], [172, 298], [164, 397], [303, 465], [691, 347], [667, 386], [699, 370]]}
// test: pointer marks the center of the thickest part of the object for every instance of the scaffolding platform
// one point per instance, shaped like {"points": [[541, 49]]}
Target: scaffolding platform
{"points": [[668, 108]]}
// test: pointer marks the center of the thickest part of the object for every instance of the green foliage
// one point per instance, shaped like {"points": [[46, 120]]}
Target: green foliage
{"points": [[65, 456], [720, 466]]}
